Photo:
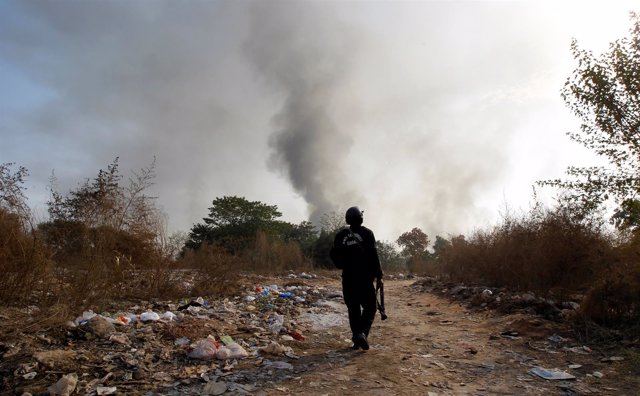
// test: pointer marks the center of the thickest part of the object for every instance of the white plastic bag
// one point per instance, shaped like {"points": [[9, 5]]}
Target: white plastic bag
{"points": [[232, 351], [276, 323], [149, 317], [169, 316], [205, 349]]}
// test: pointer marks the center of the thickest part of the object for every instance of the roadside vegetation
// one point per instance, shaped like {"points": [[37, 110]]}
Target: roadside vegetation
{"points": [[106, 240]]}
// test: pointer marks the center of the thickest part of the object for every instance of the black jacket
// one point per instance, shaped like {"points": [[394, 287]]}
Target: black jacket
{"points": [[356, 264]]}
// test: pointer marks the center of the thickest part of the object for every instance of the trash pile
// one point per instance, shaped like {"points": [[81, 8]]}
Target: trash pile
{"points": [[501, 299], [194, 346]]}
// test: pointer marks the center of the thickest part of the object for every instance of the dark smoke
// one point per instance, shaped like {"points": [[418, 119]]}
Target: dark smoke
{"points": [[307, 59]]}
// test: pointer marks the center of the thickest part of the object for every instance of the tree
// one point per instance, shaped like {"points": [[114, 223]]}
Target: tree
{"points": [[12, 198], [390, 258], [320, 250], [233, 222], [414, 246], [304, 234], [440, 246], [604, 92], [332, 222]]}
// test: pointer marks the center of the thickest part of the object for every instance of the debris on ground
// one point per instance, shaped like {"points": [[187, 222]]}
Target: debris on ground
{"points": [[176, 346], [290, 335]]}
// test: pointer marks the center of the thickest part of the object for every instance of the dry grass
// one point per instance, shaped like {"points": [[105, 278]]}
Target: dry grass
{"points": [[541, 251], [549, 253], [218, 270], [24, 261]]}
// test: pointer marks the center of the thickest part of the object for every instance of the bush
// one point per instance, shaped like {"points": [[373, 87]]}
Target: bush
{"points": [[216, 270], [271, 255], [540, 251], [24, 261], [614, 301]]}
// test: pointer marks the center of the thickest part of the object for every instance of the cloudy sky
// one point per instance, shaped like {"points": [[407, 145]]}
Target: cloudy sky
{"points": [[430, 114]]}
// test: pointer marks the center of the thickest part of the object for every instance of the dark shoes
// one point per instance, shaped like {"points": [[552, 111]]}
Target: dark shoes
{"points": [[360, 341]]}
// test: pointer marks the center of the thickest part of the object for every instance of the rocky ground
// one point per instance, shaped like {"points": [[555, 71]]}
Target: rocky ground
{"points": [[289, 335]]}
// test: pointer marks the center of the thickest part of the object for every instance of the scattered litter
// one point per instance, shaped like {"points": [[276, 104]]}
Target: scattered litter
{"points": [[149, 317], [119, 339], [575, 366], [275, 349], [231, 351], [597, 374], [169, 316], [612, 359], [215, 388], [65, 385], [106, 390], [276, 323], [279, 365], [512, 335], [551, 374], [556, 339], [296, 335], [205, 349], [583, 350], [198, 302]]}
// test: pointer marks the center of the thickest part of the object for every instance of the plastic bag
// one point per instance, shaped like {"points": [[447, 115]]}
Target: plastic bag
{"points": [[231, 351], [276, 323], [65, 385], [205, 349], [149, 317], [169, 316], [275, 349]]}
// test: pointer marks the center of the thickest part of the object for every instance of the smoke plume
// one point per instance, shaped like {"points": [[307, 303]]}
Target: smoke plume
{"points": [[305, 58]]}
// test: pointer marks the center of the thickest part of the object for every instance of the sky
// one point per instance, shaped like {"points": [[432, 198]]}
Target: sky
{"points": [[430, 114]]}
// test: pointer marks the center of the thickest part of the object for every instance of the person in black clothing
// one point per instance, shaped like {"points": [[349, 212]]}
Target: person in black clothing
{"points": [[354, 252]]}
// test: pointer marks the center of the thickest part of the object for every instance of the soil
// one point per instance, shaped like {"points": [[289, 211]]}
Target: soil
{"points": [[429, 345]]}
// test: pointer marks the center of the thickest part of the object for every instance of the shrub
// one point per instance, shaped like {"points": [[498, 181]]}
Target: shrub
{"points": [[216, 270], [541, 251], [24, 261]]}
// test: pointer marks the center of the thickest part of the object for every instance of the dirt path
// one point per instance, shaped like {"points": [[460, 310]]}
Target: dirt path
{"points": [[430, 345]]}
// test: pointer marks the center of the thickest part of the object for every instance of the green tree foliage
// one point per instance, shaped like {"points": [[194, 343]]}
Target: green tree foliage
{"points": [[304, 234], [330, 224], [414, 243], [627, 216], [440, 246], [390, 258], [320, 250], [233, 223], [414, 246], [604, 92]]}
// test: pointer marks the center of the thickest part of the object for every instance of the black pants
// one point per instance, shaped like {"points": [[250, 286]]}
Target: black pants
{"points": [[360, 298]]}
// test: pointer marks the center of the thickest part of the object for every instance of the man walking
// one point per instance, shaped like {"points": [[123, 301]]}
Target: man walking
{"points": [[354, 251]]}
